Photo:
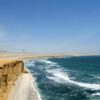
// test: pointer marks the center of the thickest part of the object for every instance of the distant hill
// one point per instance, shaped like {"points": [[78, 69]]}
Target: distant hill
{"points": [[3, 51]]}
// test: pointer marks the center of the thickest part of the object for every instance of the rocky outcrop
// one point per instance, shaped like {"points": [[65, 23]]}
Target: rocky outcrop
{"points": [[9, 72]]}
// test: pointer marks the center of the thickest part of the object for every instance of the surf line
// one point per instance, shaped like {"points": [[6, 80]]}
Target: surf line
{"points": [[36, 89], [34, 85], [59, 74]]}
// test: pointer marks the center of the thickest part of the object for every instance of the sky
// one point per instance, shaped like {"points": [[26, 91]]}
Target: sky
{"points": [[50, 26]]}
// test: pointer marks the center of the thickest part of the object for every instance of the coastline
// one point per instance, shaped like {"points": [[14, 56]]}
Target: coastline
{"points": [[34, 84], [21, 79], [36, 89], [19, 84], [25, 87]]}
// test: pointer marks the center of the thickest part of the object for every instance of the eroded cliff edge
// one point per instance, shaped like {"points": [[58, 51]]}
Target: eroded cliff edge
{"points": [[9, 72]]}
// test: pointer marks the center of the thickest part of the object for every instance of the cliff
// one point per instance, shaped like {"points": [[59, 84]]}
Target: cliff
{"points": [[9, 72]]}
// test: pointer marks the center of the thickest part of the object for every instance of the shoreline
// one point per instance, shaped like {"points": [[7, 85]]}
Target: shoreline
{"points": [[23, 86], [34, 82], [24, 89], [36, 88], [25, 78]]}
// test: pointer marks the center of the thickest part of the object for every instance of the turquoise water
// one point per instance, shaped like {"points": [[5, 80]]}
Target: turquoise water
{"points": [[74, 78]]}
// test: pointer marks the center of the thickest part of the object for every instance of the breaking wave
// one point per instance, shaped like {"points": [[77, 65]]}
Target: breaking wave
{"points": [[57, 81], [58, 75]]}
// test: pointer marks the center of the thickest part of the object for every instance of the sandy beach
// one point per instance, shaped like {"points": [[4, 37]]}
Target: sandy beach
{"points": [[24, 89]]}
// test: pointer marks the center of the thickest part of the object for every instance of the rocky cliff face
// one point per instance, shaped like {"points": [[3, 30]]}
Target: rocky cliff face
{"points": [[9, 72]]}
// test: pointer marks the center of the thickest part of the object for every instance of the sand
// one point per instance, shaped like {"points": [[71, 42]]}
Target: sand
{"points": [[24, 89], [18, 56], [5, 61]]}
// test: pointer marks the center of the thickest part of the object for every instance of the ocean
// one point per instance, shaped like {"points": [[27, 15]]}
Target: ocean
{"points": [[69, 78]]}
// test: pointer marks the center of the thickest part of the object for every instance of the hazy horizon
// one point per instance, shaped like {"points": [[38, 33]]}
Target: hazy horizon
{"points": [[50, 26]]}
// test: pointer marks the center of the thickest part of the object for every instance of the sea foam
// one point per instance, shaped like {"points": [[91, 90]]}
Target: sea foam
{"points": [[59, 74], [96, 94]]}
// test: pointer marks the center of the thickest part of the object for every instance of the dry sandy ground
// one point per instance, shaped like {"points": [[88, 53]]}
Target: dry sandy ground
{"points": [[24, 89], [18, 56], [5, 61]]}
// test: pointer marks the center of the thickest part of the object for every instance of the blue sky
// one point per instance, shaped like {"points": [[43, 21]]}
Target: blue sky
{"points": [[50, 25]]}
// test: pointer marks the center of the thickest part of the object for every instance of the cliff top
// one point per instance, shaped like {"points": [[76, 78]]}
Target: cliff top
{"points": [[5, 61]]}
